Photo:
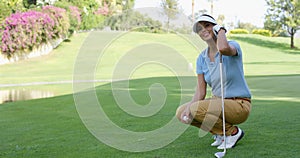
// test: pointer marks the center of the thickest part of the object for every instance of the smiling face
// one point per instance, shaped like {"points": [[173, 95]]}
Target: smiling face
{"points": [[205, 30]]}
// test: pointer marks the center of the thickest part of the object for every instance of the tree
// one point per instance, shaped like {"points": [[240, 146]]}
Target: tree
{"points": [[193, 13], [197, 14], [14, 5], [171, 9], [131, 21], [248, 26], [29, 3], [211, 6], [284, 14], [221, 19], [127, 4]]}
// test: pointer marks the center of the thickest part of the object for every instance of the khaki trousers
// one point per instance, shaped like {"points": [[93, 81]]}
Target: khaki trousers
{"points": [[207, 114]]}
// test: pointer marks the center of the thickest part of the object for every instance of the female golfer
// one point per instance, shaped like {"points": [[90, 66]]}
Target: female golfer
{"points": [[206, 113]]}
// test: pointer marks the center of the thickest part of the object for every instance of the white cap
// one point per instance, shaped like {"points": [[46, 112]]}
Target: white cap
{"points": [[206, 18]]}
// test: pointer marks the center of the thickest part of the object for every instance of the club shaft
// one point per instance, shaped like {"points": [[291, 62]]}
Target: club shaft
{"points": [[222, 100]]}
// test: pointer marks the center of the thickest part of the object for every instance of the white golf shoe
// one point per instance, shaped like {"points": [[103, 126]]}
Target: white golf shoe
{"points": [[232, 140], [218, 140]]}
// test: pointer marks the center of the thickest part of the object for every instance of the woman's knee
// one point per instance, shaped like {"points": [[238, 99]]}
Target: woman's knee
{"points": [[199, 108], [198, 112]]}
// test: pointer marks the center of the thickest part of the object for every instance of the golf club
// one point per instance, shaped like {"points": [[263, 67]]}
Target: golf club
{"points": [[222, 154]]}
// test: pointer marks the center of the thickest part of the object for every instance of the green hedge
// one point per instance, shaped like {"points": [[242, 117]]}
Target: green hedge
{"points": [[262, 32], [239, 31]]}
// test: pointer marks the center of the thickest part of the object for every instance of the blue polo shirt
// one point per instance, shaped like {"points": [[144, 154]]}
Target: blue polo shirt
{"points": [[234, 81]]}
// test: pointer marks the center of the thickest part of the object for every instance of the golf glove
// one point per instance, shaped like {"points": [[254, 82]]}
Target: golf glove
{"points": [[217, 28]]}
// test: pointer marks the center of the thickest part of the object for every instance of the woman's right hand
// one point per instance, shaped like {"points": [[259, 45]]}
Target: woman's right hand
{"points": [[186, 115]]}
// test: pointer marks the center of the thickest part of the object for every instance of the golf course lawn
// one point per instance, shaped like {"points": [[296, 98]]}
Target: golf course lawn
{"points": [[51, 127]]}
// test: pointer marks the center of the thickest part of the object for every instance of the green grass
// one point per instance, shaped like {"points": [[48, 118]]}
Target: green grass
{"points": [[268, 55], [280, 43], [52, 128], [56, 66]]}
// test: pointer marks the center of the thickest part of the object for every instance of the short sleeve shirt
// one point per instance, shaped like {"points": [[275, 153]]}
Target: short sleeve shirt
{"points": [[234, 81]]}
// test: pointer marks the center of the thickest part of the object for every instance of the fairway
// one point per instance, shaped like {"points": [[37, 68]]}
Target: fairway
{"points": [[52, 127]]}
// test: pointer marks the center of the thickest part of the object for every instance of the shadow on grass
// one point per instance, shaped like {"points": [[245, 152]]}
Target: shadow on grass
{"points": [[284, 47], [145, 92], [269, 118], [269, 88]]}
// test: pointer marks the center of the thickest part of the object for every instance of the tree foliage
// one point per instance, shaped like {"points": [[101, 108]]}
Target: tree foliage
{"points": [[211, 6], [118, 6], [90, 16], [131, 20], [8, 7], [283, 14], [197, 14], [170, 9], [248, 26], [14, 5], [29, 3]]}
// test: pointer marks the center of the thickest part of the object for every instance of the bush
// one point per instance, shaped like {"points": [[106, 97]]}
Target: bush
{"points": [[75, 19], [60, 18], [103, 10], [5, 11], [23, 31], [262, 32], [14, 6], [73, 14], [280, 33], [91, 17], [91, 21], [239, 31]]}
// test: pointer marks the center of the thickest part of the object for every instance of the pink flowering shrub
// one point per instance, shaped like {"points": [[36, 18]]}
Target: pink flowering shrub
{"points": [[103, 10], [23, 31], [75, 19], [60, 18]]}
